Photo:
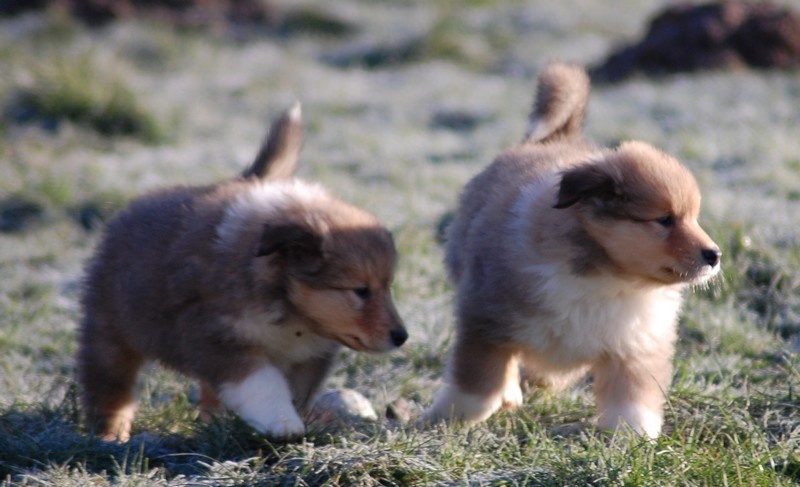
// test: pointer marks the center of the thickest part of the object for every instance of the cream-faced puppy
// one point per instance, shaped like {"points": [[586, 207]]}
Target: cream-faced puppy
{"points": [[249, 285], [569, 259]]}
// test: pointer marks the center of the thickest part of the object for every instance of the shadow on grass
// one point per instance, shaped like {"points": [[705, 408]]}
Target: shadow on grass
{"points": [[18, 214], [27, 211], [37, 439], [33, 440], [40, 438]]}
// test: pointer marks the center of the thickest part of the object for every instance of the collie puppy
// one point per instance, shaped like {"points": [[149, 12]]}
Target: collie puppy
{"points": [[569, 259], [249, 285]]}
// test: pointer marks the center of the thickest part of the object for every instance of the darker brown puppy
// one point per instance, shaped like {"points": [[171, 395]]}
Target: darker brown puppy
{"points": [[248, 285]]}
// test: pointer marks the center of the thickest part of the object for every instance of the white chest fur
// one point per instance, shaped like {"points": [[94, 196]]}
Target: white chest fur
{"points": [[287, 342], [583, 317]]}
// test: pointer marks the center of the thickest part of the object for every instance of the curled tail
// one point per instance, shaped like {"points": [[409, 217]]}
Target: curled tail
{"points": [[277, 158], [560, 106]]}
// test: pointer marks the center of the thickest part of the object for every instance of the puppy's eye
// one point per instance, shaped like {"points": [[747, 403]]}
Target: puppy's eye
{"points": [[362, 292], [666, 221]]}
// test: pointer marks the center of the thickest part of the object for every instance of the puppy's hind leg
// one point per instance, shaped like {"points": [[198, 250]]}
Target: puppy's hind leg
{"points": [[482, 378], [107, 374], [209, 404]]}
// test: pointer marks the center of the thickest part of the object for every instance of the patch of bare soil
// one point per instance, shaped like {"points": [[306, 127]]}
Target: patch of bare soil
{"points": [[717, 35]]}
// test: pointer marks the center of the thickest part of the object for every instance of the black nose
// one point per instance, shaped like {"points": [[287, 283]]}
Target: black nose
{"points": [[398, 336], [711, 256]]}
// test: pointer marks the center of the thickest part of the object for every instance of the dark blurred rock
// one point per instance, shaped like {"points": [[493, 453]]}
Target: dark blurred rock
{"points": [[313, 21], [442, 227], [727, 34], [14, 7], [456, 120], [377, 56], [216, 14], [90, 215], [17, 214]]}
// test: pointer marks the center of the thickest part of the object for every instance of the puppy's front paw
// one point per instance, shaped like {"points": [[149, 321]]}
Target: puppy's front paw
{"points": [[641, 419], [280, 426], [264, 401], [512, 396], [452, 404]]}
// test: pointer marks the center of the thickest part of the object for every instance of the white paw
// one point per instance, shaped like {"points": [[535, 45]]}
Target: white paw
{"points": [[512, 396], [453, 404], [283, 425], [264, 401], [639, 418]]}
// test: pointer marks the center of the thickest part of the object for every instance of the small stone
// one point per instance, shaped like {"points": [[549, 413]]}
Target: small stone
{"points": [[399, 410], [341, 405]]}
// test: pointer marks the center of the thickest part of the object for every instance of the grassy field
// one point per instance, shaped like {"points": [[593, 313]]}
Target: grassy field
{"points": [[403, 105]]}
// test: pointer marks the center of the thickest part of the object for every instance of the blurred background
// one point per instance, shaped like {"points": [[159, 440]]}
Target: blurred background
{"points": [[403, 102]]}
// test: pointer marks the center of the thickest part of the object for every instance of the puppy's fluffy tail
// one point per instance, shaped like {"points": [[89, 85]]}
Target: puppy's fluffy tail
{"points": [[560, 106], [277, 158]]}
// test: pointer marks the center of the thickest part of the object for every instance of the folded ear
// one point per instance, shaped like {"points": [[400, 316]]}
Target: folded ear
{"points": [[277, 158], [585, 182], [298, 244]]}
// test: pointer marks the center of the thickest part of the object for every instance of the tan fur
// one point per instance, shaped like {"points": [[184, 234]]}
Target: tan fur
{"points": [[570, 258], [247, 285]]}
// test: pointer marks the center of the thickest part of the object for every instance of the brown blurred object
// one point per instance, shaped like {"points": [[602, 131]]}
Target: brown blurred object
{"points": [[717, 35], [400, 410]]}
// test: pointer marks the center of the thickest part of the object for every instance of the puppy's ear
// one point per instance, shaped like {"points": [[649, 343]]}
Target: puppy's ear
{"points": [[299, 245], [277, 158], [585, 182]]}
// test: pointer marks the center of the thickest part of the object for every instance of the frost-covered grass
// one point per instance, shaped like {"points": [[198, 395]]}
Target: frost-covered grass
{"points": [[376, 138]]}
